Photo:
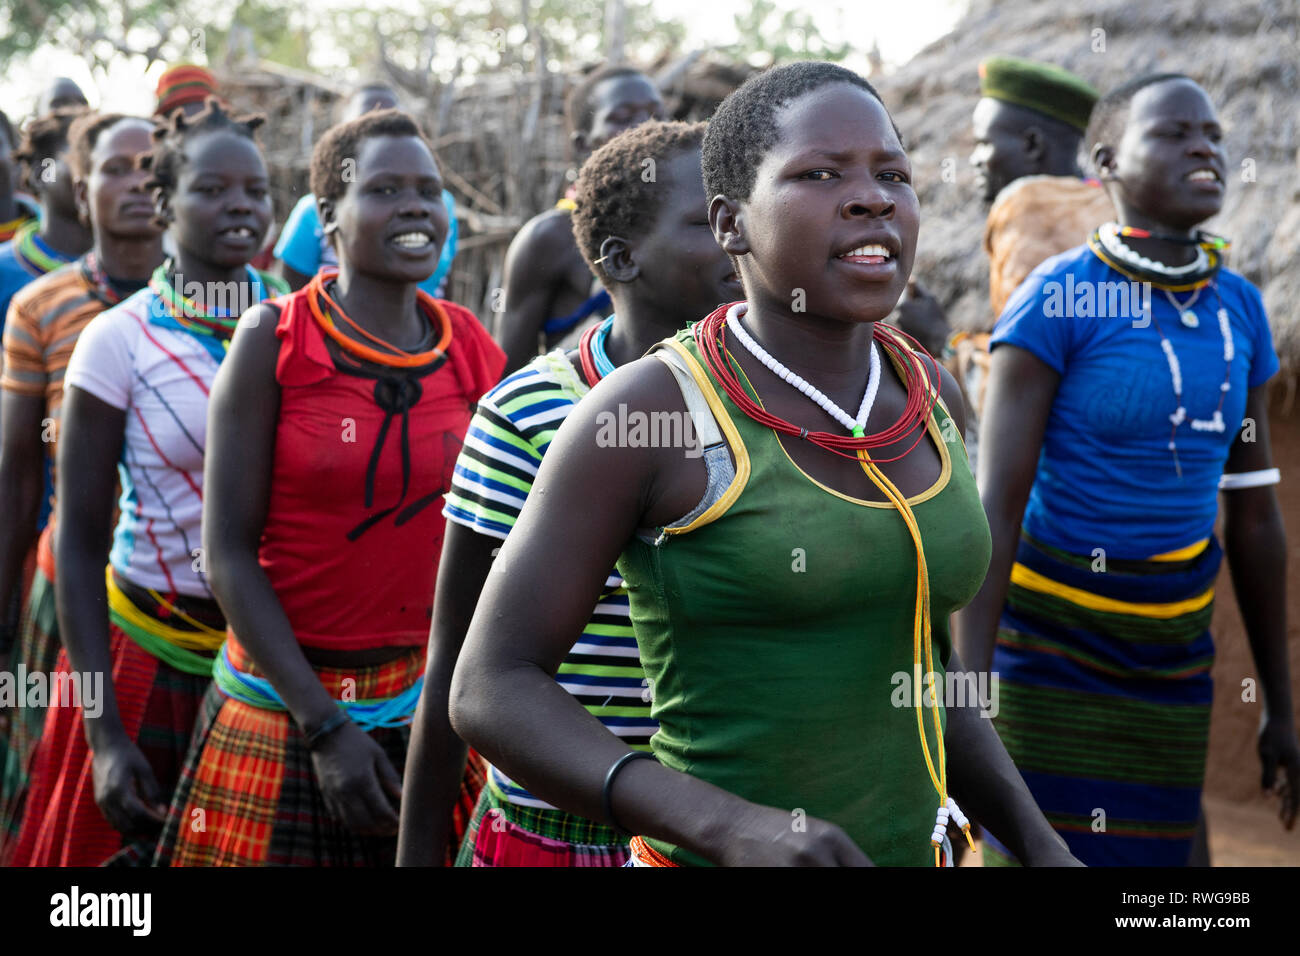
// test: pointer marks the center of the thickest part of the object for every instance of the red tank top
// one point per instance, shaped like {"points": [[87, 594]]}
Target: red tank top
{"points": [[363, 457]]}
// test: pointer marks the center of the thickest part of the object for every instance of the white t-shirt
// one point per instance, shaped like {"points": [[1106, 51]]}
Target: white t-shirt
{"points": [[161, 378]]}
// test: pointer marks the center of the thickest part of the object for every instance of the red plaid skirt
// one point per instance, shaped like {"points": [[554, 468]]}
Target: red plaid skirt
{"points": [[62, 825], [248, 794], [37, 650]]}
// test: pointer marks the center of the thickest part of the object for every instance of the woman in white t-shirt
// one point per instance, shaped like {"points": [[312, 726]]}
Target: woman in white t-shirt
{"points": [[135, 411]]}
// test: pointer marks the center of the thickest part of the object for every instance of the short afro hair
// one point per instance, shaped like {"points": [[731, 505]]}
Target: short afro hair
{"points": [[744, 128], [579, 111], [612, 197], [84, 133], [44, 138], [170, 135], [1110, 115], [343, 142]]}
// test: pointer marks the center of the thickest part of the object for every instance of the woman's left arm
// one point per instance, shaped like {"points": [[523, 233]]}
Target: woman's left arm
{"points": [[1255, 543]]}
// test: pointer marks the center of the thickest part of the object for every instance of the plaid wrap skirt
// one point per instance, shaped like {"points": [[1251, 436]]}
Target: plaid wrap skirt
{"points": [[248, 794], [36, 651], [62, 825], [503, 834]]}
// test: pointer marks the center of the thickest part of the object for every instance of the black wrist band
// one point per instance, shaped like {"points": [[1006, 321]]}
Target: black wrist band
{"points": [[606, 803], [332, 723]]}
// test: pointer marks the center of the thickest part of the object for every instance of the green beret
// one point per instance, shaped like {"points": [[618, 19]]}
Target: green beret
{"points": [[1038, 86]]}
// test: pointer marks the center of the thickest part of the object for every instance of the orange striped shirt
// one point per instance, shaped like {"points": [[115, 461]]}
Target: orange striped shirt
{"points": [[45, 318]]}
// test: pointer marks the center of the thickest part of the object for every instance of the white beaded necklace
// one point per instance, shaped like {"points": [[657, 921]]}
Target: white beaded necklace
{"points": [[856, 426], [1108, 233], [1215, 423]]}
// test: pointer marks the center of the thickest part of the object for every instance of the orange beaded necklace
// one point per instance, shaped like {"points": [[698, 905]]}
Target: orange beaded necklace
{"points": [[323, 309]]}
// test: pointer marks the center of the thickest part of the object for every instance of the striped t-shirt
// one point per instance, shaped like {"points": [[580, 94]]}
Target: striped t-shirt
{"points": [[161, 378], [508, 436], [45, 318]]}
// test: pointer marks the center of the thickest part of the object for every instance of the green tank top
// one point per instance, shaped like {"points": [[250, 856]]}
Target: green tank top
{"points": [[776, 631]]}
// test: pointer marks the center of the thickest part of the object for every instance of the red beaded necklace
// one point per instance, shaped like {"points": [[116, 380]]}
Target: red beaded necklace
{"points": [[921, 384], [922, 395]]}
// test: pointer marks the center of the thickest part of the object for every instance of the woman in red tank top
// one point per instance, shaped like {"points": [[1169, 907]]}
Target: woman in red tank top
{"points": [[333, 431]]}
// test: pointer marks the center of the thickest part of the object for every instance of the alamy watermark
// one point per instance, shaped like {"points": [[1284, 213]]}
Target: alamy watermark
{"points": [[640, 429], [21, 688], [227, 298], [949, 689], [1086, 299], [77, 909]]}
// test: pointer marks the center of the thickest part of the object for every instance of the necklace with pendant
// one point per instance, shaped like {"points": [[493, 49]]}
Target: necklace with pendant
{"points": [[1186, 314]]}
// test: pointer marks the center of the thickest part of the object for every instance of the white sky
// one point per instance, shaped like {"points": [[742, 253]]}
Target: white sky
{"points": [[900, 31]]}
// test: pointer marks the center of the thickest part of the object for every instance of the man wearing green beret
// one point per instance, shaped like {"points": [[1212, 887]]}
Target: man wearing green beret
{"points": [[1028, 125], [1028, 122]]}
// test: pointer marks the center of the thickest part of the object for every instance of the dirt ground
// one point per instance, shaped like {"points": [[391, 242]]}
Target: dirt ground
{"points": [[1244, 828]]}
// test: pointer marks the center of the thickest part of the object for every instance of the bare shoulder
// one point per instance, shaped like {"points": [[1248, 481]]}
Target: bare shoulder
{"points": [[254, 349], [644, 386], [547, 230]]}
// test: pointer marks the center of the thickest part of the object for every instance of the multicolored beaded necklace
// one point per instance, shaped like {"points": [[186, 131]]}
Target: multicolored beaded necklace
{"points": [[596, 363], [1105, 244], [212, 329], [922, 384], [9, 228], [102, 287], [32, 254]]}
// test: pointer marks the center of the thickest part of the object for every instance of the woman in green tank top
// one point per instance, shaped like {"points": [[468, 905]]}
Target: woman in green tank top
{"points": [[791, 571]]}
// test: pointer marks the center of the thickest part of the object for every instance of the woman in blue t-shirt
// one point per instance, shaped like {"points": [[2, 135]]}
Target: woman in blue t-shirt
{"points": [[1127, 389]]}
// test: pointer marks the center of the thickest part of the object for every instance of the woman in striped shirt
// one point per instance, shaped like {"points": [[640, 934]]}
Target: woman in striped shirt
{"points": [[642, 236], [47, 317], [783, 586], [136, 407]]}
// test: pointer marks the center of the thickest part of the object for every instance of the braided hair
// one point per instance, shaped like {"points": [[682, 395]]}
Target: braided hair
{"points": [[170, 135], [44, 138], [84, 133]]}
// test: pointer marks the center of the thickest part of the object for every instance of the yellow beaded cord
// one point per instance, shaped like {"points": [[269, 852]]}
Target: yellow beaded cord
{"points": [[921, 630]]}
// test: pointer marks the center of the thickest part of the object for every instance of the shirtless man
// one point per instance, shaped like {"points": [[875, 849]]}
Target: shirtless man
{"points": [[549, 289]]}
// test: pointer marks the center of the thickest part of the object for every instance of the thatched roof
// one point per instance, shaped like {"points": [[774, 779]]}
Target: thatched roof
{"points": [[1245, 53]]}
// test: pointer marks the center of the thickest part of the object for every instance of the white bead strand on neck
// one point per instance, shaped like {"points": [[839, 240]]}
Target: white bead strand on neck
{"points": [[1108, 233], [855, 426]]}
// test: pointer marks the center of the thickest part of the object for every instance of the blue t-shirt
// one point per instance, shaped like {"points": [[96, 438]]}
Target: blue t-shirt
{"points": [[12, 278], [1106, 476], [304, 247], [14, 275]]}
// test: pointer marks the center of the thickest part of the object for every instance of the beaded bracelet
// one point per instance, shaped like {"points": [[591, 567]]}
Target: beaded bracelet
{"points": [[331, 723], [606, 803]]}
